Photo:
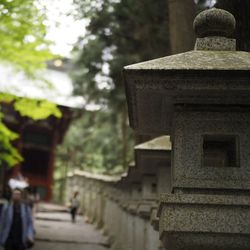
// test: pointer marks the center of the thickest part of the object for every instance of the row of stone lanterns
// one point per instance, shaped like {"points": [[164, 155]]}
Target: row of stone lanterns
{"points": [[202, 100], [191, 183], [125, 207]]}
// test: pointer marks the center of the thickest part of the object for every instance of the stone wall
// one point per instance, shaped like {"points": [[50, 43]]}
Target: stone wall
{"points": [[111, 208], [125, 207]]}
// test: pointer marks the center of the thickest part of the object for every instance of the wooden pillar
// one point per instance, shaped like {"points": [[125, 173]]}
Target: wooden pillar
{"points": [[51, 166], [17, 168]]}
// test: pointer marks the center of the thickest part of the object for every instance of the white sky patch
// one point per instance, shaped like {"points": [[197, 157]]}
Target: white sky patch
{"points": [[212, 3], [58, 92], [63, 29], [209, 3], [103, 82]]}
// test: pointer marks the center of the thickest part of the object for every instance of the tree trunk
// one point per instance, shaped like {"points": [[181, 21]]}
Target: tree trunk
{"points": [[181, 17], [240, 9]]}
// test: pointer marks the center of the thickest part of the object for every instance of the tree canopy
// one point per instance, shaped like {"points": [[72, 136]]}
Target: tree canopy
{"points": [[89, 144], [24, 47], [22, 35], [119, 33]]}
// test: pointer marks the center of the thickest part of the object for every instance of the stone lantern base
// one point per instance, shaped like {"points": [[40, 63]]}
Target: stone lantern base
{"points": [[205, 222]]}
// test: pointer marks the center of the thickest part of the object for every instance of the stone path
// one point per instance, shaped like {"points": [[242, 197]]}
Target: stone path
{"points": [[55, 231]]}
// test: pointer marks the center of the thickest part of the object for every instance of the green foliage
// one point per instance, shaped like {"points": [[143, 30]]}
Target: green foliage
{"points": [[23, 45], [9, 154], [22, 33], [90, 145], [119, 33], [34, 109], [87, 66]]}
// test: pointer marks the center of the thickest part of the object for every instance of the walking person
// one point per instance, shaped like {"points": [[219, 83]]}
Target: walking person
{"points": [[74, 205], [16, 225]]}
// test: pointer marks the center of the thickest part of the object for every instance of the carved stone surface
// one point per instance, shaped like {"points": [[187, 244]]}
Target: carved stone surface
{"points": [[152, 95], [214, 22], [205, 222], [190, 128], [215, 43]]}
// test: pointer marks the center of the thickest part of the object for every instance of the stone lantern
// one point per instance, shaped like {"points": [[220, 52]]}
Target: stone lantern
{"points": [[202, 100], [153, 160]]}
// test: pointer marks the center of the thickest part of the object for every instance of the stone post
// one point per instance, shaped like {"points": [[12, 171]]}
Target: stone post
{"points": [[134, 178], [135, 191], [100, 205]]}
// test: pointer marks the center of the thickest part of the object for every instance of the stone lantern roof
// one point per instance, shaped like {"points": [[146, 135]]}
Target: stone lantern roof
{"points": [[214, 72], [159, 143], [197, 60]]}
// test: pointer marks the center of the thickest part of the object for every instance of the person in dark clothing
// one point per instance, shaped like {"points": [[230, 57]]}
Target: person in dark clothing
{"points": [[15, 235], [74, 205], [16, 225]]}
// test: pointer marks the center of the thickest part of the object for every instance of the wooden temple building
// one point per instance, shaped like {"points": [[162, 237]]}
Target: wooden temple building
{"points": [[37, 144]]}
